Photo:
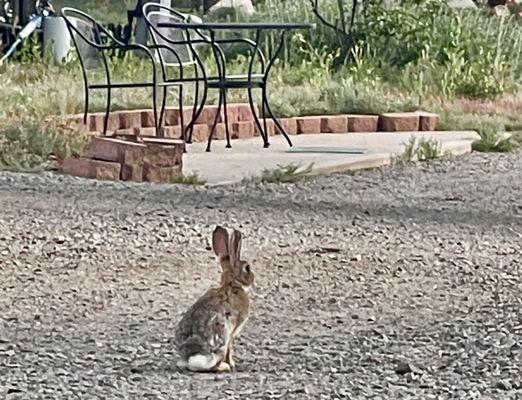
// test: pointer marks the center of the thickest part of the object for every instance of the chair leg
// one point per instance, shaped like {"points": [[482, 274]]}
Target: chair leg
{"points": [[181, 122], [162, 112], [256, 118], [227, 130], [159, 133], [263, 113], [107, 112], [276, 122], [196, 97], [213, 129], [86, 106], [190, 126]]}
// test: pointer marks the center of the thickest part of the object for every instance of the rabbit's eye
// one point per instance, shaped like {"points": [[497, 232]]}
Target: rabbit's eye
{"points": [[247, 268]]}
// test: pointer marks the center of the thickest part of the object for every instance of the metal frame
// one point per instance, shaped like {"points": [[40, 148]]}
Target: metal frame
{"points": [[148, 10], [105, 42], [223, 82]]}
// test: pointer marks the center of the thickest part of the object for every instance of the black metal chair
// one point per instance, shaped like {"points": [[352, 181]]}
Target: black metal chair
{"points": [[185, 45], [95, 45], [172, 53]]}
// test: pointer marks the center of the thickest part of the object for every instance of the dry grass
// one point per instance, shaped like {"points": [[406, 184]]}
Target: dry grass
{"points": [[509, 105]]}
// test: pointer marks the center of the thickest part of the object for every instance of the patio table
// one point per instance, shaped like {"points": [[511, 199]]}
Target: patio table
{"points": [[251, 80]]}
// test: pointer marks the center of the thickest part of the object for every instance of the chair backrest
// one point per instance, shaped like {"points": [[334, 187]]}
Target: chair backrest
{"points": [[86, 34], [176, 39]]}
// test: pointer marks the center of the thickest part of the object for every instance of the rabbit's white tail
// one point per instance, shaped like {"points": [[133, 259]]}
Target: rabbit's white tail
{"points": [[200, 362]]}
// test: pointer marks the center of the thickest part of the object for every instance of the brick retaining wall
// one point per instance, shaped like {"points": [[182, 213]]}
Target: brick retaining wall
{"points": [[241, 123]]}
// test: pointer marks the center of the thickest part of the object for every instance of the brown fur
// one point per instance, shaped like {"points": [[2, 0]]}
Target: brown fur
{"points": [[209, 326]]}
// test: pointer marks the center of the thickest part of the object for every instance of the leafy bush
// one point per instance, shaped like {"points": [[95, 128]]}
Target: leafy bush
{"points": [[421, 45], [32, 145]]}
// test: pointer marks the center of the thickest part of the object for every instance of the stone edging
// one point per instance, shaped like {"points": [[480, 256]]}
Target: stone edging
{"points": [[241, 123], [147, 160]]}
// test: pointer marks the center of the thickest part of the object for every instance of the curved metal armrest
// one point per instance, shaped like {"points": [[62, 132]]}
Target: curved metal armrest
{"points": [[134, 47], [176, 55], [218, 51], [250, 42], [71, 12], [164, 46], [207, 39]]}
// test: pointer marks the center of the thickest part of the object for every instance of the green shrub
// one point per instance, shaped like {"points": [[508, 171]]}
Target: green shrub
{"points": [[423, 46], [29, 146]]}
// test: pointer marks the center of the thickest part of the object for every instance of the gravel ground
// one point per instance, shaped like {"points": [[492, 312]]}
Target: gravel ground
{"points": [[401, 283]]}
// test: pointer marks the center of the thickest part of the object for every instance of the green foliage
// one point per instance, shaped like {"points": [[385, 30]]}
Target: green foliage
{"points": [[28, 147], [114, 11], [490, 128], [408, 154], [286, 174], [191, 179], [424, 149], [492, 141], [422, 46], [428, 149]]}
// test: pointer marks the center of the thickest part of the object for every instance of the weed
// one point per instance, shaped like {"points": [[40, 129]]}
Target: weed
{"points": [[517, 137], [428, 149], [29, 147], [424, 149], [493, 142], [191, 179], [408, 154], [286, 174]]}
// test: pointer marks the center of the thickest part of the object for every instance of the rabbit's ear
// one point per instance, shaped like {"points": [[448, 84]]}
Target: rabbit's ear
{"points": [[220, 242], [235, 247]]}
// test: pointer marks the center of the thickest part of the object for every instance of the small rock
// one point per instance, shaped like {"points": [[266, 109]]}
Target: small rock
{"points": [[403, 368], [503, 385]]}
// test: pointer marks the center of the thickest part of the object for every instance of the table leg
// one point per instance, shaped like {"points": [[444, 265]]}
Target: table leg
{"points": [[195, 115], [225, 112], [216, 118], [263, 133], [265, 95], [262, 130], [196, 112]]}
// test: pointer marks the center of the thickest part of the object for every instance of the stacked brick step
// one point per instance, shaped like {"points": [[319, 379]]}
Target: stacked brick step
{"points": [[241, 123], [146, 159]]}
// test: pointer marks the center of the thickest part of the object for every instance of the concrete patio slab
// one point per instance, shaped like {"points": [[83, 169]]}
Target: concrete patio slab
{"points": [[247, 158]]}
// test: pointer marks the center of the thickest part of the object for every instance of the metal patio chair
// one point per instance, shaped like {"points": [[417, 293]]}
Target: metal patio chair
{"points": [[172, 52], [186, 45], [95, 46]]}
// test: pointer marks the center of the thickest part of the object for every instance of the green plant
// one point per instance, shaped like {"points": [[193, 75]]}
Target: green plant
{"points": [[428, 149], [30, 147], [424, 149], [493, 142], [191, 179], [517, 138], [408, 154], [489, 127], [286, 174]]}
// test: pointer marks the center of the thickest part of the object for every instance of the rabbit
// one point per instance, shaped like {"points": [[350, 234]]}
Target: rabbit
{"points": [[206, 332]]}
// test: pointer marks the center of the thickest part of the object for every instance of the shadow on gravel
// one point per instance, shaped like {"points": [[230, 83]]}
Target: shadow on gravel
{"points": [[147, 199]]}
